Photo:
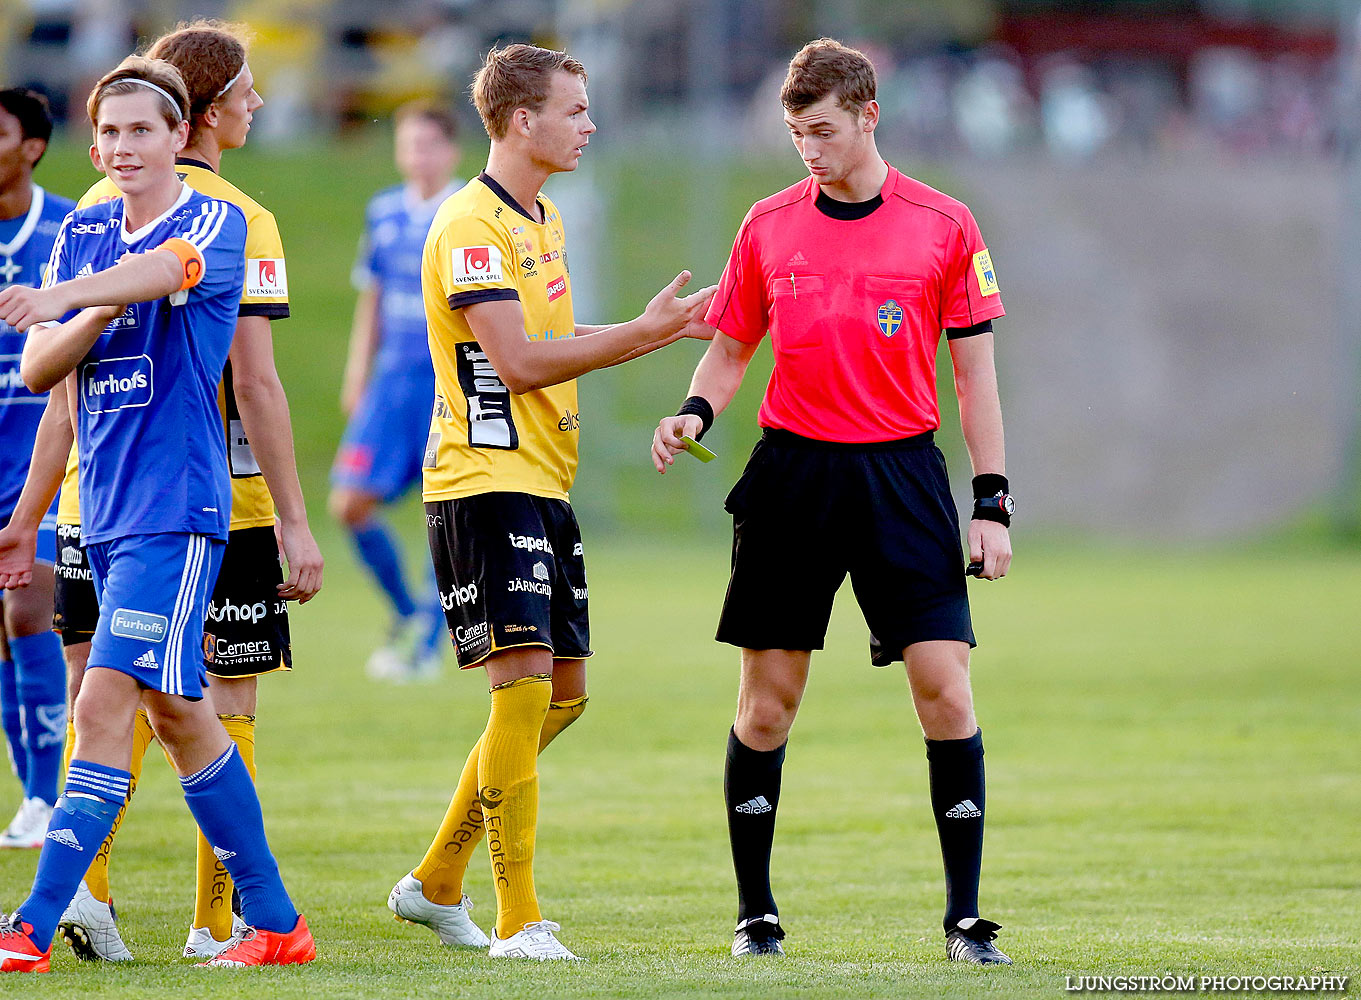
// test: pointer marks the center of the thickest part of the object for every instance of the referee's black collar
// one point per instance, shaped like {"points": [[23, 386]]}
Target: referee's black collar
{"points": [[504, 195], [845, 211], [189, 161]]}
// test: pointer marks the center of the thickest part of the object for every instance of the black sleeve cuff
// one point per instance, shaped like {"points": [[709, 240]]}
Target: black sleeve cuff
{"points": [[269, 310], [460, 299], [960, 332]]}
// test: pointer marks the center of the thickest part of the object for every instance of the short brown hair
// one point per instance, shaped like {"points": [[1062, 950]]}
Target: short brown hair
{"points": [[209, 55], [824, 67], [436, 114], [119, 81], [517, 76]]}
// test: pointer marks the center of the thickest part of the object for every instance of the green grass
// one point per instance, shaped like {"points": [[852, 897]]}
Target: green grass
{"points": [[1172, 788]]}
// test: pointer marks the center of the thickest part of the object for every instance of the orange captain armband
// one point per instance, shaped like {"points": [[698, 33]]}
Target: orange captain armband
{"points": [[191, 261]]}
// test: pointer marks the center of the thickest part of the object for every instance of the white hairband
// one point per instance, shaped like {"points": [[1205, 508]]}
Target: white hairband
{"points": [[179, 115], [232, 81]]}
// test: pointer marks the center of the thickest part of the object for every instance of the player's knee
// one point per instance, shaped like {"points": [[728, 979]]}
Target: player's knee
{"points": [[94, 725], [764, 723], [350, 507], [944, 709], [26, 613]]}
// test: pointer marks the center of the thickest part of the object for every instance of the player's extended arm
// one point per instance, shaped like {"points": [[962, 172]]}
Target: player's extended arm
{"points": [[53, 353], [980, 418], [51, 445], [264, 416], [363, 346], [717, 378], [524, 364], [138, 278]]}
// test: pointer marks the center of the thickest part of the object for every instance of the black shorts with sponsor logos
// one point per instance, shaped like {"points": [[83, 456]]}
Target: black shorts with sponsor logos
{"points": [[245, 632], [510, 573], [806, 513], [75, 608]]}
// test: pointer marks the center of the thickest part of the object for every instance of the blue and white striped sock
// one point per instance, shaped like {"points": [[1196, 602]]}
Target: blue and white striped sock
{"points": [[223, 800], [83, 817]]}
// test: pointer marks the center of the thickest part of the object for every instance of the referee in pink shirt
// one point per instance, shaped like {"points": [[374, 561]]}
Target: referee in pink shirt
{"points": [[854, 272]]}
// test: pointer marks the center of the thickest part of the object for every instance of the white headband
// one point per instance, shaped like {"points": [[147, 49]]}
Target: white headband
{"points": [[179, 115], [232, 81]]}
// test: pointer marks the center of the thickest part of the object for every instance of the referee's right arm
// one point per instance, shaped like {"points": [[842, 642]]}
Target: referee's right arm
{"points": [[717, 378]]}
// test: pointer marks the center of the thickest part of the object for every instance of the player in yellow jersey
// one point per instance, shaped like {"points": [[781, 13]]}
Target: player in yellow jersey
{"points": [[248, 612], [500, 459]]}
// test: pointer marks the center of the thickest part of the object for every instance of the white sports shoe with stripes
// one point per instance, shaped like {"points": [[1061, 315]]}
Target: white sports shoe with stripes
{"points": [[449, 920], [28, 829], [202, 944], [89, 927], [534, 941]]}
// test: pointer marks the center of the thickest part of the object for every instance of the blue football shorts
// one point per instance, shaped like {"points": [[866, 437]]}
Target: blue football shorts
{"points": [[384, 441], [153, 595]]}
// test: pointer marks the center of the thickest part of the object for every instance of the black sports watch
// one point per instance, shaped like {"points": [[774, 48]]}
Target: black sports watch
{"points": [[998, 507]]}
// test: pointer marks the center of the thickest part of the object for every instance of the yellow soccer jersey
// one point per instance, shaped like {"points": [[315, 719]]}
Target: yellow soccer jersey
{"points": [[484, 247], [68, 503], [265, 294]]}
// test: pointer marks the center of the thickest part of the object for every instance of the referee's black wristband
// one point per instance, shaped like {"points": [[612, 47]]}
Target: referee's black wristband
{"points": [[992, 499], [701, 408]]}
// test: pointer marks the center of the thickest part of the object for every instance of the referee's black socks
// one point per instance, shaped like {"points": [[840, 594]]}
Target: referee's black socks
{"points": [[751, 788], [957, 799]]}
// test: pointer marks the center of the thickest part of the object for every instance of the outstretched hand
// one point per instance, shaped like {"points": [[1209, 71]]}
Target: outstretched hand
{"points": [[676, 317]]}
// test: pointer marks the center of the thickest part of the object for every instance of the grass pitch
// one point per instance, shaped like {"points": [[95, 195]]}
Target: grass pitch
{"points": [[1173, 788]]}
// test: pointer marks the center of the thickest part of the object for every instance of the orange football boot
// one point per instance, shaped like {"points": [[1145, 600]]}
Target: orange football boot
{"points": [[254, 946], [18, 953]]}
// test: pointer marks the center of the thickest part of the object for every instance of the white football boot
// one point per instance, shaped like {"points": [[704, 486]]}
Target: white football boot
{"points": [[28, 829], [202, 944], [449, 920], [534, 941], [89, 927]]}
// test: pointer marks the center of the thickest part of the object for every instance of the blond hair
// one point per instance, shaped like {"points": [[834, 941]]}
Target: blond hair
{"points": [[123, 79], [517, 76]]}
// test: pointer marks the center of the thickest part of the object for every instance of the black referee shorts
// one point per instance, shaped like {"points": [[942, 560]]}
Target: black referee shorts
{"points": [[806, 513]]}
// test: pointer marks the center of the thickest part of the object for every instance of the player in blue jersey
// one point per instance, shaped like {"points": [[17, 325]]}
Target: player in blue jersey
{"points": [[155, 500], [32, 674], [389, 383]]}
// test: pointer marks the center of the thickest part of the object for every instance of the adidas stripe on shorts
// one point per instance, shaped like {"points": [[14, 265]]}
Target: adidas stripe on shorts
{"points": [[153, 594]]}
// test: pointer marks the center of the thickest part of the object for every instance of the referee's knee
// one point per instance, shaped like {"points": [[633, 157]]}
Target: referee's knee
{"points": [[764, 725]]}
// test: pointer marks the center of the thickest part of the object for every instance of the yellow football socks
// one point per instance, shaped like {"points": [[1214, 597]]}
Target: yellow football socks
{"points": [[97, 876], [508, 787], [561, 714], [442, 869], [213, 886]]}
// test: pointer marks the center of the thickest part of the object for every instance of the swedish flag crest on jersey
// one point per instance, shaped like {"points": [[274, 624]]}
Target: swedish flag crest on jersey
{"points": [[890, 317]]}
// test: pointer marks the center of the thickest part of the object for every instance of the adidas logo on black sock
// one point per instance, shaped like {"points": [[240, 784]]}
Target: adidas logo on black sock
{"points": [[756, 806], [963, 810]]}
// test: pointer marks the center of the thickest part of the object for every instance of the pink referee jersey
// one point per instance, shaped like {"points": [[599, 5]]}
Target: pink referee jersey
{"points": [[855, 307]]}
